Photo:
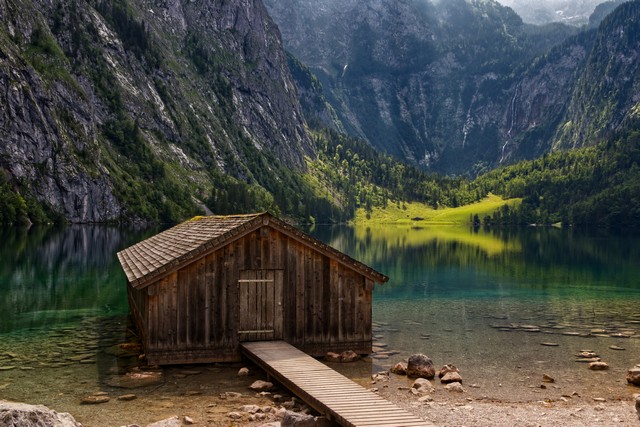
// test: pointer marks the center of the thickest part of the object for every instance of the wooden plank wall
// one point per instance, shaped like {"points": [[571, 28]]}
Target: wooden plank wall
{"points": [[192, 314]]}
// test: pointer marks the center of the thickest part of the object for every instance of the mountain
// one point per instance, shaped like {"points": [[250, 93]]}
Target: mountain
{"points": [[460, 87], [428, 83], [126, 109]]}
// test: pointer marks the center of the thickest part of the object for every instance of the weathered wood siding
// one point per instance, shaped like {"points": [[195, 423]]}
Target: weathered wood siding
{"points": [[193, 314]]}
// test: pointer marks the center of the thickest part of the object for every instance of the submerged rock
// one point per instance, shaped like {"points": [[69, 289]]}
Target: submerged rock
{"points": [[420, 366], [95, 399], [598, 366], [136, 379], [24, 415]]}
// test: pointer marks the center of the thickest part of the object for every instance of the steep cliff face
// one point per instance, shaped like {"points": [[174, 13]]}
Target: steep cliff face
{"points": [[607, 93], [132, 109]]}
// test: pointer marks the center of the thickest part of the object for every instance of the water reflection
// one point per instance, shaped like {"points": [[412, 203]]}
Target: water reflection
{"points": [[533, 258], [50, 275]]}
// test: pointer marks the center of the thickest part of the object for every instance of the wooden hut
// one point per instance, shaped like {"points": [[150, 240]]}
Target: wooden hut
{"points": [[200, 288]]}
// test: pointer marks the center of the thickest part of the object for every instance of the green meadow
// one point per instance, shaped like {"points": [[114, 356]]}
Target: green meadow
{"points": [[405, 213]]}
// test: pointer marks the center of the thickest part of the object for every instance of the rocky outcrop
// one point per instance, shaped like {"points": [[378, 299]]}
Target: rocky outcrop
{"points": [[24, 415]]}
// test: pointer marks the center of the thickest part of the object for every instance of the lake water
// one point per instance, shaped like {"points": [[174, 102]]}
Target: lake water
{"points": [[485, 301]]}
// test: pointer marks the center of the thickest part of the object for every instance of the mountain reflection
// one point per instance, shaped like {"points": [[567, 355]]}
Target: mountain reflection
{"points": [[56, 274]]}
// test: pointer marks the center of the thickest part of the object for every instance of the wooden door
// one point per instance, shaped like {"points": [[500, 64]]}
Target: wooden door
{"points": [[260, 316]]}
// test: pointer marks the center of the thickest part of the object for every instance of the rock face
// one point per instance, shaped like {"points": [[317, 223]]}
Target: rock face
{"points": [[420, 366], [24, 415], [91, 114], [633, 375]]}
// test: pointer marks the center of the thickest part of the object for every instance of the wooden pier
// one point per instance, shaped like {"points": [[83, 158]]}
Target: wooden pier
{"points": [[328, 392]]}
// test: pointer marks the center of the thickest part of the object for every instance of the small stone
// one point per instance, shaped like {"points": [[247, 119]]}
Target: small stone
{"points": [[455, 387], [94, 400], [422, 386], [230, 395], [251, 409], [235, 415], [633, 375], [547, 379], [550, 344], [380, 376], [587, 354], [599, 399], [615, 347], [446, 369], [7, 368], [127, 397], [260, 385], [292, 419], [188, 420], [638, 404], [257, 417], [399, 368], [598, 366], [451, 377], [243, 372]]}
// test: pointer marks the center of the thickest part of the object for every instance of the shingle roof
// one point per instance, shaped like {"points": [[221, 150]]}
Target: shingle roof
{"points": [[170, 249]]}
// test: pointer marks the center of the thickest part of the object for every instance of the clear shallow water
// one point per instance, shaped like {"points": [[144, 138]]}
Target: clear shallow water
{"points": [[487, 301], [484, 301]]}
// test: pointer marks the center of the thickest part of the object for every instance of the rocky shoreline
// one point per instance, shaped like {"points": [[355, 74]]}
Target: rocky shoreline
{"points": [[441, 401]]}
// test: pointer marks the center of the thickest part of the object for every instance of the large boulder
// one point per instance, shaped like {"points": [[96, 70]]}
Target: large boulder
{"points": [[420, 366], [24, 415], [638, 405], [633, 375]]}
